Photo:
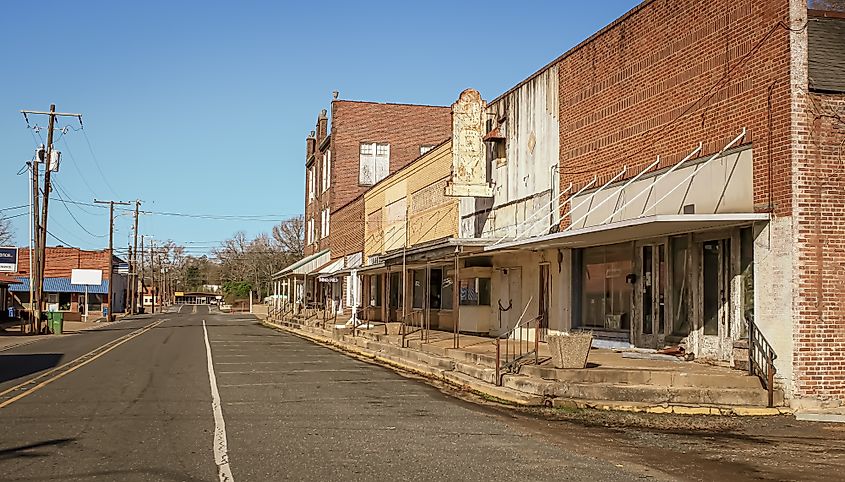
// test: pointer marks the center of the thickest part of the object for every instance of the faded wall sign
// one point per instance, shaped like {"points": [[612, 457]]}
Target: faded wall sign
{"points": [[469, 167]]}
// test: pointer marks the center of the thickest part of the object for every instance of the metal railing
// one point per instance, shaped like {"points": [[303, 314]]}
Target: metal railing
{"points": [[519, 345], [414, 322], [761, 358]]}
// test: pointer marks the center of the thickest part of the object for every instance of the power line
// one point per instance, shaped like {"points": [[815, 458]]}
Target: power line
{"points": [[58, 238], [96, 162], [62, 200], [12, 208], [78, 170]]}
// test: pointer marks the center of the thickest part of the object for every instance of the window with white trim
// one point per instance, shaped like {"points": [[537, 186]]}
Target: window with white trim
{"points": [[374, 162], [324, 222], [309, 238], [327, 170], [311, 193]]}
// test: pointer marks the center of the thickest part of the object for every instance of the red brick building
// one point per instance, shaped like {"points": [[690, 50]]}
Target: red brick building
{"points": [[746, 235], [58, 291], [361, 144]]}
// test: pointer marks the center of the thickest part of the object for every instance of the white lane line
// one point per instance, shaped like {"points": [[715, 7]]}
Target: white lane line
{"points": [[221, 451], [289, 371]]}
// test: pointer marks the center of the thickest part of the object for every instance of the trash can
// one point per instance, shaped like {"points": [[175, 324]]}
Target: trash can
{"points": [[56, 321]]}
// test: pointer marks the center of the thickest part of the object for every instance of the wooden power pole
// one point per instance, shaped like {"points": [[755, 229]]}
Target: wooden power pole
{"points": [[40, 225], [134, 270], [111, 204]]}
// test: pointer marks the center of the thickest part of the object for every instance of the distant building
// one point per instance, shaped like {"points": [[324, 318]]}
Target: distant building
{"points": [[59, 293]]}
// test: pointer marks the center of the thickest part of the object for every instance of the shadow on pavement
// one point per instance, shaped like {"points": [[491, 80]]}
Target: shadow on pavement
{"points": [[26, 450], [19, 365]]}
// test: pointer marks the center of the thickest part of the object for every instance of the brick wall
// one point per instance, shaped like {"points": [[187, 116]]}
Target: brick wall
{"points": [[819, 360], [61, 261], [404, 127], [347, 229], [671, 74]]}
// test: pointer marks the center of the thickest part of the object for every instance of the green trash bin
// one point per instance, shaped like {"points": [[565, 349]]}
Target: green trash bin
{"points": [[56, 321]]}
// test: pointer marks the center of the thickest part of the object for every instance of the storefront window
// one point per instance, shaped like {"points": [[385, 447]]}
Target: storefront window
{"points": [[475, 292], [64, 301], [605, 294], [447, 292], [418, 276], [375, 290], [395, 290], [434, 293]]}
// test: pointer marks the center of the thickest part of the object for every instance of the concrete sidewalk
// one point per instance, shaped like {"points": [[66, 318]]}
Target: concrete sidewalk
{"points": [[611, 381]]}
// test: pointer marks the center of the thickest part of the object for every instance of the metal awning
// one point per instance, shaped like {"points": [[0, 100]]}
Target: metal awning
{"points": [[305, 265], [327, 273], [60, 285], [645, 227]]}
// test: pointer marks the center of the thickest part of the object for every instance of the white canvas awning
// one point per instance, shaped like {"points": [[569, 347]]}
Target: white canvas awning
{"points": [[633, 229]]}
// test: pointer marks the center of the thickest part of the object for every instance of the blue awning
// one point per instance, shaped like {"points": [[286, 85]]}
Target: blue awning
{"points": [[60, 285]]}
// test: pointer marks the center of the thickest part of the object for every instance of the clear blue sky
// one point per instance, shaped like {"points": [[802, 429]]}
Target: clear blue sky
{"points": [[203, 106]]}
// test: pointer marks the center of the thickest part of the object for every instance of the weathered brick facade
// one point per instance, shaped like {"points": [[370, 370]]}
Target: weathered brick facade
{"points": [[61, 261], [405, 127], [820, 220], [669, 75]]}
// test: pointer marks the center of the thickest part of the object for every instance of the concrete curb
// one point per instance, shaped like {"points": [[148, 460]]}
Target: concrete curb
{"points": [[513, 396]]}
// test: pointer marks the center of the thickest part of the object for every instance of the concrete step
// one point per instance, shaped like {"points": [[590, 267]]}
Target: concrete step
{"points": [[669, 378], [642, 393]]}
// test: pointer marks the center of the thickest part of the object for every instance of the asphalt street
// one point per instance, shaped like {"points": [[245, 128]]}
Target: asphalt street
{"points": [[200, 395], [291, 410]]}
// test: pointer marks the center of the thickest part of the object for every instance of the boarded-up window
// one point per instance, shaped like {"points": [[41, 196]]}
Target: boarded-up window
{"points": [[374, 162]]}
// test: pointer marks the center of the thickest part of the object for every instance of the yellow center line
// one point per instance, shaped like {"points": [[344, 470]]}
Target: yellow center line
{"points": [[115, 344]]}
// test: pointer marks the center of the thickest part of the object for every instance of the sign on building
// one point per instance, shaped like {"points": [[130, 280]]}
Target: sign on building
{"points": [[92, 277], [469, 165], [9, 259]]}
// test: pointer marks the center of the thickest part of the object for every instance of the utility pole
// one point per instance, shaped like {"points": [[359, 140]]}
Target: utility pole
{"points": [[41, 227], [152, 276], [111, 204], [143, 281], [130, 290], [134, 307]]}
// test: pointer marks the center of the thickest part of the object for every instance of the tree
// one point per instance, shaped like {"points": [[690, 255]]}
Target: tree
{"points": [[7, 235], [290, 236], [253, 262]]}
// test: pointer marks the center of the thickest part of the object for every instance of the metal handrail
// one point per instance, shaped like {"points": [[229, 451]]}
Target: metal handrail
{"points": [[508, 362], [408, 327], [761, 358]]}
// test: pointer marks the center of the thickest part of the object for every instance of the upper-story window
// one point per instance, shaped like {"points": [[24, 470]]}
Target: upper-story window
{"points": [[309, 232], [374, 162], [325, 221], [311, 193], [327, 170], [426, 147]]}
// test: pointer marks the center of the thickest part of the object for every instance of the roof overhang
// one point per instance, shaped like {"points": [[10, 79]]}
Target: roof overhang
{"points": [[645, 227], [447, 247], [305, 265]]}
